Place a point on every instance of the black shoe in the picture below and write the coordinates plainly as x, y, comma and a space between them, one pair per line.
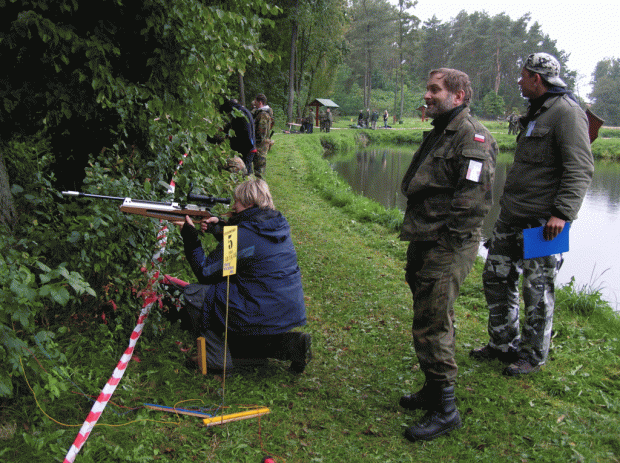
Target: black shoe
420, 400
487, 353
441, 419
434, 424
520, 367
302, 353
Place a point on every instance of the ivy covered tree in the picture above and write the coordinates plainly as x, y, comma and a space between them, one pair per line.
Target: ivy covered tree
89, 75
138, 78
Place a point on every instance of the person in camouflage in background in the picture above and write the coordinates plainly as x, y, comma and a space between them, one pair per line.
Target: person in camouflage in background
545, 186
513, 124
449, 189
263, 120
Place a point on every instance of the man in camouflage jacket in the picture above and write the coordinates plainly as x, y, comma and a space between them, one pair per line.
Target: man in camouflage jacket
263, 120
545, 186
449, 191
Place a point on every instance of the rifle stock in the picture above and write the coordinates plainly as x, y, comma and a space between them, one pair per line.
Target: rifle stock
170, 211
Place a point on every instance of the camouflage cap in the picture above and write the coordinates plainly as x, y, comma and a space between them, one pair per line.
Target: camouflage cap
547, 66
235, 164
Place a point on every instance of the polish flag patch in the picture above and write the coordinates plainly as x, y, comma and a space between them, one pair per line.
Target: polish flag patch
479, 138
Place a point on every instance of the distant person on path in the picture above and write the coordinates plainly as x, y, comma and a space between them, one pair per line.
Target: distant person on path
373, 120
448, 186
513, 124
385, 119
263, 120
329, 119
552, 169
307, 124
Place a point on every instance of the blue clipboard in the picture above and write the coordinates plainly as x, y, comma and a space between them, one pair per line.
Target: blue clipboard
534, 245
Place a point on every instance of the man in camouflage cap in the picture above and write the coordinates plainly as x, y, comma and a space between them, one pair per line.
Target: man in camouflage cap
448, 186
546, 66
552, 169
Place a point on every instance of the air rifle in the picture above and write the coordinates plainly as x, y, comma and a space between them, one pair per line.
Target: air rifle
170, 211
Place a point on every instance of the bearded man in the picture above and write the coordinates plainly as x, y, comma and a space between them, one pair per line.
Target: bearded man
448, 186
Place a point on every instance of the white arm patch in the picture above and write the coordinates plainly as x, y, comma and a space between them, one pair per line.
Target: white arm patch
474, 170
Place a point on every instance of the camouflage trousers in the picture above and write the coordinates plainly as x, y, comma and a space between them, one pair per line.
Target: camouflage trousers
260, 158
434, 272
502, 270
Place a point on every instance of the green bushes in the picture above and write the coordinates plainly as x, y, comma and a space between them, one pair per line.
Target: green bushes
48, 270
32, 295
72, 263
394, 137
607, 148
75, 263
587, 302
106, 69
609, 132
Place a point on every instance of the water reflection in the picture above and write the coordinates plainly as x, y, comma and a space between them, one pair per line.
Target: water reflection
594, 244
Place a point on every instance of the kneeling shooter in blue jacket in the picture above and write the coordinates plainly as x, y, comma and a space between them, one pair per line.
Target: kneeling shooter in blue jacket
265, 296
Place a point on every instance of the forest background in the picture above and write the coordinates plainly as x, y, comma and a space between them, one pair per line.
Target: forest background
106, 98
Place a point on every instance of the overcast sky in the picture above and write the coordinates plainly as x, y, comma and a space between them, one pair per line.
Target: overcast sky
588, 30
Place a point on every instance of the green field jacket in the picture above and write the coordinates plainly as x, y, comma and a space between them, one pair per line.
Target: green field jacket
553, 165
452, 190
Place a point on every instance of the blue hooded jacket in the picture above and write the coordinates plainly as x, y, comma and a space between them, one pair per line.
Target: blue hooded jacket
265, 294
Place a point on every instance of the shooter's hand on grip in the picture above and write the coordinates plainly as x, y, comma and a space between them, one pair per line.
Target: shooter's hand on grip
208, 222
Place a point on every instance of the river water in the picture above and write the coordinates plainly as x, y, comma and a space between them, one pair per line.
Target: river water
594, 255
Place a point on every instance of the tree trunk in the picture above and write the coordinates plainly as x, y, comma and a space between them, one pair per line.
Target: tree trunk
396, 89
300, 70
241, 90
365, 98
291, 67
498, 72
8, 214
402, 97
369, 80
400, 62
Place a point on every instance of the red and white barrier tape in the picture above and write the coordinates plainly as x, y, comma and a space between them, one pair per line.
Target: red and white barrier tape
150, 298
110, 387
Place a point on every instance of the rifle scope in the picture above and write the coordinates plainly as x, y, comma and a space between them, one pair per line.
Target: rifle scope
206, 200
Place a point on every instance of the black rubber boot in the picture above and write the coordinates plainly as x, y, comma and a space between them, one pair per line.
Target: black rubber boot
439, 420
421, 400
301, 353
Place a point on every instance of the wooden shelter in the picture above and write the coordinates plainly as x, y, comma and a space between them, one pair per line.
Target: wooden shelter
319, 102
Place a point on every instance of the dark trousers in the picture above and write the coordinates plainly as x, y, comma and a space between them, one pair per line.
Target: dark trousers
248, 160
240, 346
244, 347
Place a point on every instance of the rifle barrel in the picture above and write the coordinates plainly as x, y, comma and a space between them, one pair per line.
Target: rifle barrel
87, 195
